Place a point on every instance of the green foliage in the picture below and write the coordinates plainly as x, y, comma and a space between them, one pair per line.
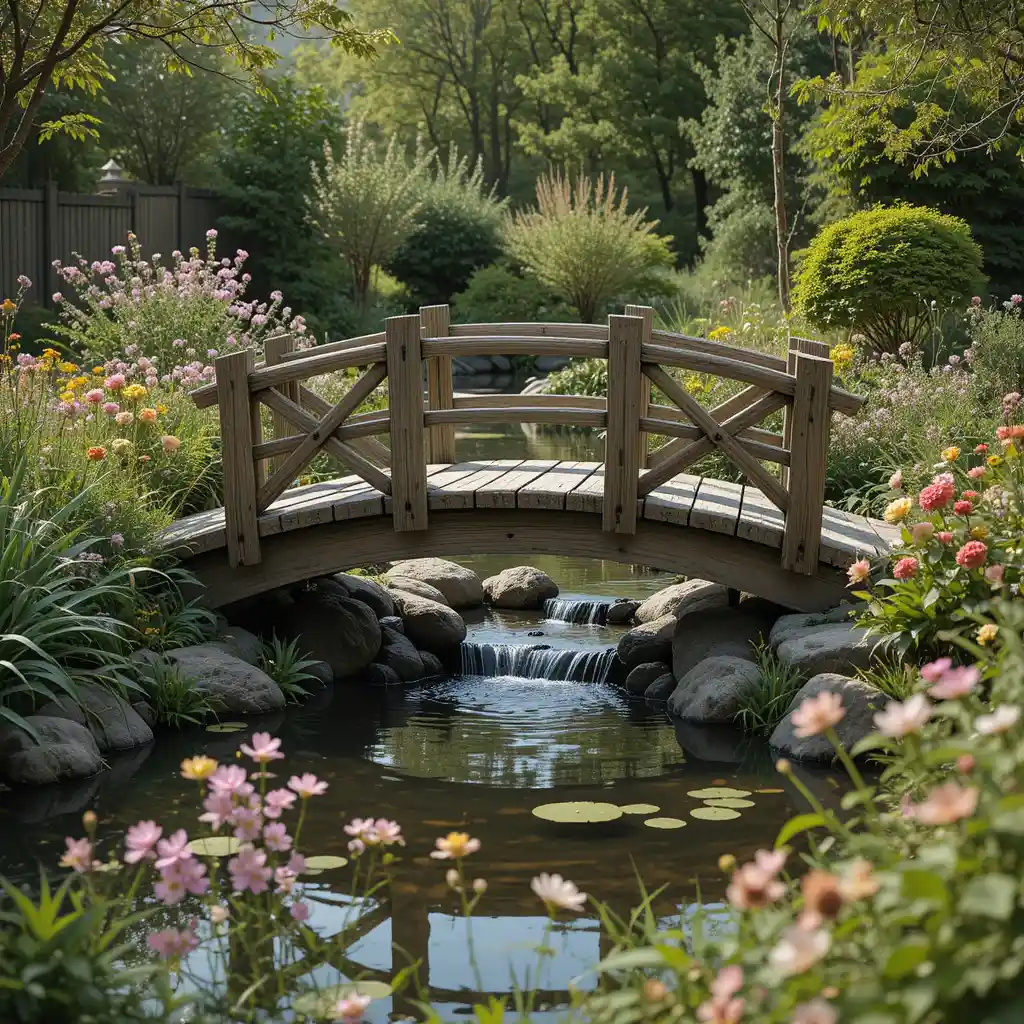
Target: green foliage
893, 677
163, 617
761, 709
996, 352
581, 377
173, 696
284, 664
878, 271
582, 240
498, 294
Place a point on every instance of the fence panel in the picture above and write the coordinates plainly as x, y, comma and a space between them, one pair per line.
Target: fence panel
22, 240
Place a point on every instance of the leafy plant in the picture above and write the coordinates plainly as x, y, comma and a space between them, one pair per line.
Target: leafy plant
173, 696
763, 708
283, 663
164, 618
893, 677
996, 352
499, 294
580, 377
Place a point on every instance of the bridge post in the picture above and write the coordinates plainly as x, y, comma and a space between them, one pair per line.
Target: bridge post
408, 451
796, 346
235, 405
436, 323
808, 458
646, 313
274, 349
621, 451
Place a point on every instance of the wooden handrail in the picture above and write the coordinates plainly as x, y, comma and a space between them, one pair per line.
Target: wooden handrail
744, 355
515, 345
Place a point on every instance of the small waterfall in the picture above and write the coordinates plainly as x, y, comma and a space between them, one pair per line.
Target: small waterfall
579, 613
532, 662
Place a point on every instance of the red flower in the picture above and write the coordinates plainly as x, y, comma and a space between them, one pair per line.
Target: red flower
969, 495
944, 536
1003, 433
905, 568
936, 495
972, 554
963, 508
981, 449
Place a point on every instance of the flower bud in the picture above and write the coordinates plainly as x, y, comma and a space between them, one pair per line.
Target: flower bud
727, 863
89, 821
783, 767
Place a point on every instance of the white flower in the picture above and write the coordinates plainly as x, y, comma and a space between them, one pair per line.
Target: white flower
1004, 717
558, 893
799, 949
817, 1011
901, 719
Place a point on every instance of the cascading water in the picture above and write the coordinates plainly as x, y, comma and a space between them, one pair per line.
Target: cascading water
579, 613
532, 662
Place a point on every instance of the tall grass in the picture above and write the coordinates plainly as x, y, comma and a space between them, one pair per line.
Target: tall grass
763, 708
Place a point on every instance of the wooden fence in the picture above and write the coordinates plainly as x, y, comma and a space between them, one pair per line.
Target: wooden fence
38, 226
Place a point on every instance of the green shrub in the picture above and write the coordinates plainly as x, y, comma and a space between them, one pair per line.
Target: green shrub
763, 708
284, 664
173, 696
996, 351
498, 294
879, 270
581, 377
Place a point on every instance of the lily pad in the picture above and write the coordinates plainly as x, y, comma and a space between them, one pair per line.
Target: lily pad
581, 811
227, 727
320, 1003
718, 791
639, 808
665, 823
714, 813
733, 802
215, 846
324, 862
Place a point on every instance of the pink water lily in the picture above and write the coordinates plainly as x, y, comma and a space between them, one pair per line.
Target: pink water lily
901, 719
307, 785
172, 849
228, 778
173, 943
78, 855
816, 714
278, 801
140, 840
265, 748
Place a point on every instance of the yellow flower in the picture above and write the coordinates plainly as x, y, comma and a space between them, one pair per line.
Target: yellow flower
51, 353
134, 392
161, 408
455, 846
7, 306
67, 367
987, 633
198, 768
951, 454
842, 356
147, 415
120, 445
98, 370
979, 532
67, 396
897, 510
994, 460
720, 333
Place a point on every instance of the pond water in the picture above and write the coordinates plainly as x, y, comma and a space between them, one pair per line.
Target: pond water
476, 753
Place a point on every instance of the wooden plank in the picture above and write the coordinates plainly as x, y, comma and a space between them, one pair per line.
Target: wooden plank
796, 346
537, 401
808, 458
338, 346
621, 452
551, 489
760, 520
405, 384
438, 473
717, 506
673, 500
747, 355
566, 412
845, 537
359, 502
275, 350
646, 313
501, 492
461, 493
540, 330
510, 345
361, 426
589, 495
435, 322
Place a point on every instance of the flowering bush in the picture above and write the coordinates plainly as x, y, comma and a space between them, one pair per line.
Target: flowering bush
996, 352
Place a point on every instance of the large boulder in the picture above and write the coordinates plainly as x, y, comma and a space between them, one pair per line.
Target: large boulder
398, 653
429, 625
461, 586
393, 622
337, 629
681, 599
861, 702
370, 592
649, 642
641, 677
801, 623
822, 648
621, 611
662, 688
241, 643
713, 690
231, 684
720, 632
432, 665
520, 587
381, 675
65, 750
722, 744
114, 723
407, 585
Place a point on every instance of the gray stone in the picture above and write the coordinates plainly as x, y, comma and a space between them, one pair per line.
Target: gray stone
407, 585
337, 629
241, 643
681, 599
621, 611
113, 722
429, 625
369, 592
432, 665
321, 672
641, 677
801, 623
398, 653
718, 744
461, 587
713, 690
380, 675
827, 649
720, 632
145, 710
548, 364
262, 615
502, 364
392, 622
861, 702
662, 688
651, 641
66, 750
520, 587
234, 685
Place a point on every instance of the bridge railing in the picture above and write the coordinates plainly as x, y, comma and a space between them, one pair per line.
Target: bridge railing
421, 421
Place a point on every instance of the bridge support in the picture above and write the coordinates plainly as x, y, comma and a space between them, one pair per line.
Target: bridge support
436, 323
621, 451
405, 387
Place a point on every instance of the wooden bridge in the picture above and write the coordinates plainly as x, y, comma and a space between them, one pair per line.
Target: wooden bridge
769, 535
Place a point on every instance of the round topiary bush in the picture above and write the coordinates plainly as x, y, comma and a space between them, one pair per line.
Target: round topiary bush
879, 270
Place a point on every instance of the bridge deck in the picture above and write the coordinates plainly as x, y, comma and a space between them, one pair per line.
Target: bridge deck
701, 502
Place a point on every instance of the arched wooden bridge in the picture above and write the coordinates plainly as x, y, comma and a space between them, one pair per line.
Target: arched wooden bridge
769, 535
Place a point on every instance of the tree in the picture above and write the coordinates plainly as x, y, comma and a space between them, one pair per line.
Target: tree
46, 45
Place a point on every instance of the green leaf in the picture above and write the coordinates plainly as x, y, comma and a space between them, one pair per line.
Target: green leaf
993, 896
925, 885
801, 823
1009, 816
873, 741
630, 959
906, 957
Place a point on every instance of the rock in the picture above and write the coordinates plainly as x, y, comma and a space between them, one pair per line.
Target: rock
713, 689
683, 598
398, 653
416, 587
368, 591
113, 722
461, 586
662, 688
722, 744
144, 710
824, 648
502, 364
337, 629
241, 643
432, 665
234, 685
548, 364
861, 701
789, 626
321, 672
381, 675
429, 625
720, 632
651, 641
262, 615
476, 364
66, 750
621, 611
392, 622
520, 587
536, 632
642, 676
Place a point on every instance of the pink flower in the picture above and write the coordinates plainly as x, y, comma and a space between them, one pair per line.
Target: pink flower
247, 822
972, 555
351, 1008
896, 481
179, 878
124, 419
219, 914
817, 1011
936, 495
297, 863
976, 472
95, 396
944, 536
921, 533
799, 950
228, 778
899, 720
111, 408
117, 540
755, 884
1002, 719
905, 568
170, 443
264, 748
276, 838
963, 508
299, 911
954, 682
114, 382
935, 670
816, 714
78, 855
140, 840
276, 801
859, 572
307, 785
172, 849
220, 809
172, 943
249, 871
388, 833
944, 804
723, 1007
965, 764
285, 879
994, 574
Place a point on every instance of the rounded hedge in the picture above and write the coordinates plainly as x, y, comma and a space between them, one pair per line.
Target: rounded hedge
878, 271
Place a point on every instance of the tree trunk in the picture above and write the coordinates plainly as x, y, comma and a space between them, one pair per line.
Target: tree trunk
779, 166
701, 200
